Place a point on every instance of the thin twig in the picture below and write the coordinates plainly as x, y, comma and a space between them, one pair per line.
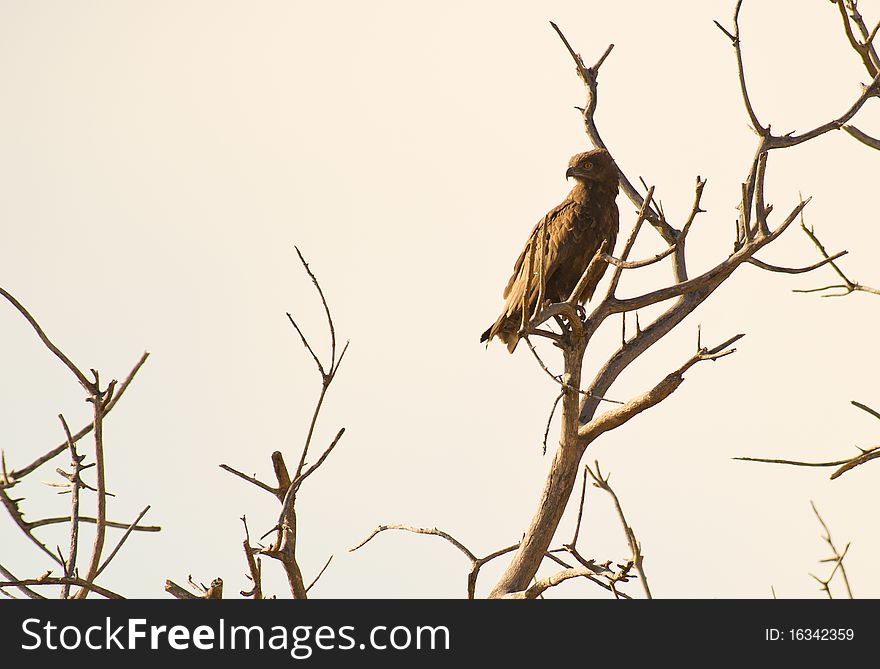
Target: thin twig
737, 45
79, 582
320, 573
84, 382
837, 559
634, 546
866, 408
254, 566
321, 459
10, 577
636, 264
26, 527
577, 526
540, 586
307, 345
42, 522
250, 479
476, 563
433, 531
122, 539
98, 399
76, 465
326, 309
848, 286
550, 419
796, 270
864, 138
843, 466
679, 265
630, 242
865, 49
18, 474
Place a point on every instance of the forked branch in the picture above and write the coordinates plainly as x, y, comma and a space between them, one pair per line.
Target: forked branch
286, 487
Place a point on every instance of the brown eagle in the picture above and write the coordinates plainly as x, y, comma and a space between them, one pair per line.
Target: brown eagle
575, 229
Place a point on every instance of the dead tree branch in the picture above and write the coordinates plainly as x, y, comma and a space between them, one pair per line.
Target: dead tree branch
841, 466
796, 270
849, 13
320, 574
836, 558
635, 547
540, 586
476, 563
589, 76
864, 138
283, 548
18, 474
214, 591
42, 522
89, 387
66, 581
848, 286
17, 516
128, 531
11, 578
254, 566
98, 399
102, 401
75, 482
603, 575
759, 129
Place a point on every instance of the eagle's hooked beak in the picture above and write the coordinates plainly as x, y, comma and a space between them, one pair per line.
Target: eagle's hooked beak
570, 172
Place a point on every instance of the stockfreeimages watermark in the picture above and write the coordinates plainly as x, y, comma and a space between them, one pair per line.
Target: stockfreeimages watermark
300, 641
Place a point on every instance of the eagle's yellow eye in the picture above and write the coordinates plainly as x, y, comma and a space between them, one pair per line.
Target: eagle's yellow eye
588, 166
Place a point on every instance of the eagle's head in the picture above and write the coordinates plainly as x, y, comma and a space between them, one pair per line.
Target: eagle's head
595, 165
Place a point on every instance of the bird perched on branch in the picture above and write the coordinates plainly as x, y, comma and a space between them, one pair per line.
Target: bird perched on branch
564, 243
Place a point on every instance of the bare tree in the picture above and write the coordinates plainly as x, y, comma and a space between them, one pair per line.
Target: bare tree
283, 548
102, 399
582, 422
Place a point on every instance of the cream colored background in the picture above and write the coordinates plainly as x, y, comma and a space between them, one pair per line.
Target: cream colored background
159, 160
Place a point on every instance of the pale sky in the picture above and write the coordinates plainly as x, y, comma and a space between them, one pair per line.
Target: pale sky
160, 160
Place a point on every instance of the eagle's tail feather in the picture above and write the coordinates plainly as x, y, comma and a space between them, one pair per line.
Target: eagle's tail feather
506, 330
